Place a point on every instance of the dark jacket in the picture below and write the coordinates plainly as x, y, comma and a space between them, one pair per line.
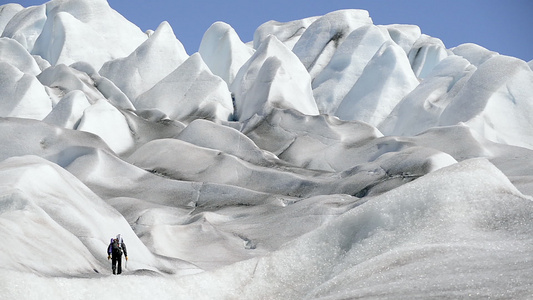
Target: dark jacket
116, 248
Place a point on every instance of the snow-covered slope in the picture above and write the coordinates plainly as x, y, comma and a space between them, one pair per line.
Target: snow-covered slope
330, 158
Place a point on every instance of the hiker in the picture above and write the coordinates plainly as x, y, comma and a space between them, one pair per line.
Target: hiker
114, 252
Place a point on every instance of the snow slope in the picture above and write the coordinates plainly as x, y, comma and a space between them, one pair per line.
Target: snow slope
329, 158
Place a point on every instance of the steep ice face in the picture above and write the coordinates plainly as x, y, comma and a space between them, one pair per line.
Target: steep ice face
7, 11
288, 32
104, 120
26, 26
189, 92
80, 32
104, 86
386, 79
403, 35
23, 96
223, 51
152, 61
425, 54
318, 43
421, 109
68, 112
13, 53
346, 66
272, 77
66, 79
494, 103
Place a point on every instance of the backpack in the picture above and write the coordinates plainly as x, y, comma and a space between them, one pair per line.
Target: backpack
116, 246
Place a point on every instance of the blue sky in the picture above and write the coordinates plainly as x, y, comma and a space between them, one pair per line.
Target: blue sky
503, 26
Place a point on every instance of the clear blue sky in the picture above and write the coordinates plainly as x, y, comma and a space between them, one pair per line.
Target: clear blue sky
503, 26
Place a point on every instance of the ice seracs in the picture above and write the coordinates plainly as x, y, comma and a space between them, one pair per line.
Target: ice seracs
287, 32
272, 77
403, 34
26, 25
7, 11
189, 92
495, 103
425, 54
71, 31
386, 79
320, 40
330, 158
421, 109
223, 51
152, 61
13, 53
23, 95
68, 111
104, 120
346, 66
64, 79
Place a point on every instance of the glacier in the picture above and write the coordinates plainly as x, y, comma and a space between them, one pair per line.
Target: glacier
328, 158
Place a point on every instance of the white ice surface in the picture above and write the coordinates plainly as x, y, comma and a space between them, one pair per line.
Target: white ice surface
423, 191
7, 11
425, 54
346, 66
152, 61
287, 32
191, 91
22, 95
104, 120
223, 51
318, 43
12, 52
272, 78
386, 79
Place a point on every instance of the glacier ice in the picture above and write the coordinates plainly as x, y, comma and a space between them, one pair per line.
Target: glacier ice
494, 103
22, 94
272, 77
287, 32
115, 130
386, 79
346, 66
7, 11
190, 91
329, 158
148, 64
223, 51
13, 53
64, 79
69, 110
421, 109
318, 43
475, 54
425, 54
404, 35
71, 31
26, 26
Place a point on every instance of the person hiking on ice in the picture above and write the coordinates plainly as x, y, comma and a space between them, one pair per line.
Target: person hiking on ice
114, 252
